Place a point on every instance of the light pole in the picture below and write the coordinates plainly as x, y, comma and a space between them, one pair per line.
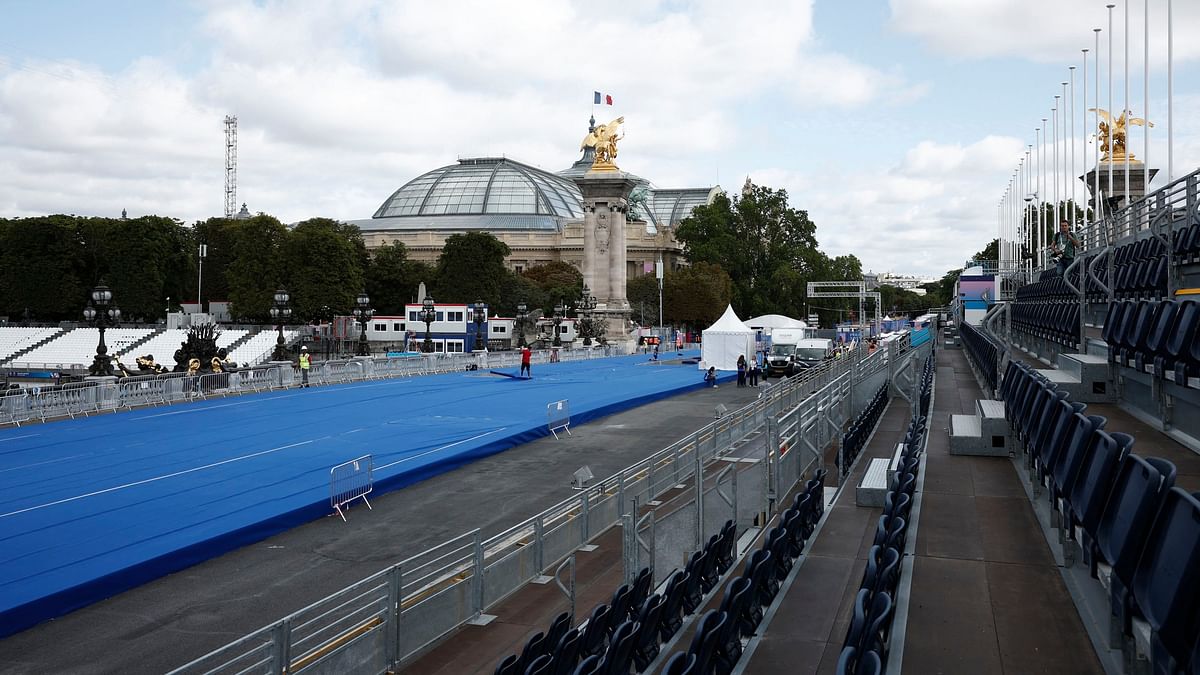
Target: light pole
480, 312
522, 315
558, 317
427, 315
281, 312
587, 302
363, 313
102, 316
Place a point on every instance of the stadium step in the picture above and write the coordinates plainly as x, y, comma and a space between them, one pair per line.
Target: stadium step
1086, 378
241, 341
129, 349
984, 433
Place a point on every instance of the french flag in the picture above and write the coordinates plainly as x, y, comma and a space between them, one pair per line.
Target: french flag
601, 99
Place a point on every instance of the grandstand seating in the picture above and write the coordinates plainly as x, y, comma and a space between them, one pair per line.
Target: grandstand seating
258, 348
983, 350
78, 346
717, 643
866, 646
1159, 337
14, 338
1136, 532
860, 429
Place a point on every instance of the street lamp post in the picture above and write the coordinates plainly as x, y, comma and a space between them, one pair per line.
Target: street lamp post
558, 317
587, 303
480, 316
99, 313
427, 315
280, 313
363, 313
522, 315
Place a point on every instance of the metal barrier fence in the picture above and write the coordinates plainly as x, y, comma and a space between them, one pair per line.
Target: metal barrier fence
349, 481
84, 398
389, 618
558, 417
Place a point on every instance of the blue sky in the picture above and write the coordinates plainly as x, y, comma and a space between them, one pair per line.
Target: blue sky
896, 124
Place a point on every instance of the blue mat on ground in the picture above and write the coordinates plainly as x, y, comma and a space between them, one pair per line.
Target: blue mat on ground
514, 376
92, 507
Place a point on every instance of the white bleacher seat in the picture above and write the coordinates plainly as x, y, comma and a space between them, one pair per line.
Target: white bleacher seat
15, 338
75, 348
258, 348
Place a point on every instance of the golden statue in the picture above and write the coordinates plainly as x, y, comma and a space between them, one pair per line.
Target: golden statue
604, 139
1111, 133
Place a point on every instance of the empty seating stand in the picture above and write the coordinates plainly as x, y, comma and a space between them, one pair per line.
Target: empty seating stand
1119, 514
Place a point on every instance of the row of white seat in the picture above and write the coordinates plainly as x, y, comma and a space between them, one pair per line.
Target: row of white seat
15, 338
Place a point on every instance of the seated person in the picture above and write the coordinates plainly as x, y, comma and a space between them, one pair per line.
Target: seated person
711, 377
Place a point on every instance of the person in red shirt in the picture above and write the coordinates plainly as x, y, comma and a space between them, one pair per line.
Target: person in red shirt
526, 355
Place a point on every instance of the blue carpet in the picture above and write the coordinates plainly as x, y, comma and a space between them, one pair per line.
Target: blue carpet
92, 507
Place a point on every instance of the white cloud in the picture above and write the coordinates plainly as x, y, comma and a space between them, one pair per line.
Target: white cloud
341, 102
1043, 31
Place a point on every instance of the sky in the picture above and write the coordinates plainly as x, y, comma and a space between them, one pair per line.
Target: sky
896, 124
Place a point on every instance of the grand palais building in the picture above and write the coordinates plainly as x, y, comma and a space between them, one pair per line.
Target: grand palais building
537, 213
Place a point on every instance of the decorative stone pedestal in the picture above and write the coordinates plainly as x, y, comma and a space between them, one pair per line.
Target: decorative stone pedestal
1116, 198
606, 208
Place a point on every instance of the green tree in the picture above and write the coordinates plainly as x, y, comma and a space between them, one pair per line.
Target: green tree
254, 273
218, 235
323, 266
696, 296
471, 268
389, 279
146, 261
558, 281
516, 289
44, 267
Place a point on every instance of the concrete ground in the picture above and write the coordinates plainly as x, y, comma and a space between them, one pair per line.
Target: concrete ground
173, 620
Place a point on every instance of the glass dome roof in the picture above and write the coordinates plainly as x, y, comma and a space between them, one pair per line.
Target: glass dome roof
486, 185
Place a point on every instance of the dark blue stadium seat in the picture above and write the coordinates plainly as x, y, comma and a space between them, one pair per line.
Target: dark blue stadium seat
542, 665
1166, 586
1114, 319
620, 607
681, 663
1179, 339
896, 504
726, 552
758, 567
891, 531
566, 654
693, 593
645, 646
1139, 489
879, 625
1165, 319
670, 621
709, 631
510, 665
1070, 458
739, 595
595, 635
589, 666
848, 661
619, 656
729, 643
793, 522
1135, 331
779, 546
558, 627
641, 590
859, 618
535, 647
870, 663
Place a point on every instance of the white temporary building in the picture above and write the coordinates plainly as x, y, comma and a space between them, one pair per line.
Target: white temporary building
769, 322
723, 342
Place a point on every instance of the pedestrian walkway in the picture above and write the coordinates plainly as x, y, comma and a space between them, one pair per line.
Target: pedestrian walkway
986, 595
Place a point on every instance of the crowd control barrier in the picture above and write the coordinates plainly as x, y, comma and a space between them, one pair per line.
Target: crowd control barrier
349, 481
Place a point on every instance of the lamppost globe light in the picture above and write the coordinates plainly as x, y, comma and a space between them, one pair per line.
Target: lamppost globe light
99, 313
89, 312
427, 315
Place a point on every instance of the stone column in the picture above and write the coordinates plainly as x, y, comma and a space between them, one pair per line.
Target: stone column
605, 205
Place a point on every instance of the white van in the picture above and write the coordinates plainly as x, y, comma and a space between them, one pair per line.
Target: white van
783, 351
813, 352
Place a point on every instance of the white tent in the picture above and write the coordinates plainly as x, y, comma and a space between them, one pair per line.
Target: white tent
723, 342
769, 322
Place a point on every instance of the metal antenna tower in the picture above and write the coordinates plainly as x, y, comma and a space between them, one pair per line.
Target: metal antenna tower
230, 165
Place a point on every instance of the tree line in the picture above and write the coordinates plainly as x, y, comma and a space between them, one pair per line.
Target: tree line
752, 250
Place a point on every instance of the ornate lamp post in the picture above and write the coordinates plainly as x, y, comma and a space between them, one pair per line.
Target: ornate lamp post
427, 315
522, 316
363, 313
480, 317
587, 302
280, 313
99, 313
558, 317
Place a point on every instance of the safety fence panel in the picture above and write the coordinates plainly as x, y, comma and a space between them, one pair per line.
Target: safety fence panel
558, 417
349, 481
674, 538
14, 408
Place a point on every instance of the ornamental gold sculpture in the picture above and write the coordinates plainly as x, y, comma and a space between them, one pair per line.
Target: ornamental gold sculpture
1111, 133
604, 139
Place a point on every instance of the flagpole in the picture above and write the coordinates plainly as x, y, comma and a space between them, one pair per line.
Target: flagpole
1041, 234
1111, 129
1146, 98
1126, 110
1170, 94
1083, 128
1054, 176
1096, 215
1071, 177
